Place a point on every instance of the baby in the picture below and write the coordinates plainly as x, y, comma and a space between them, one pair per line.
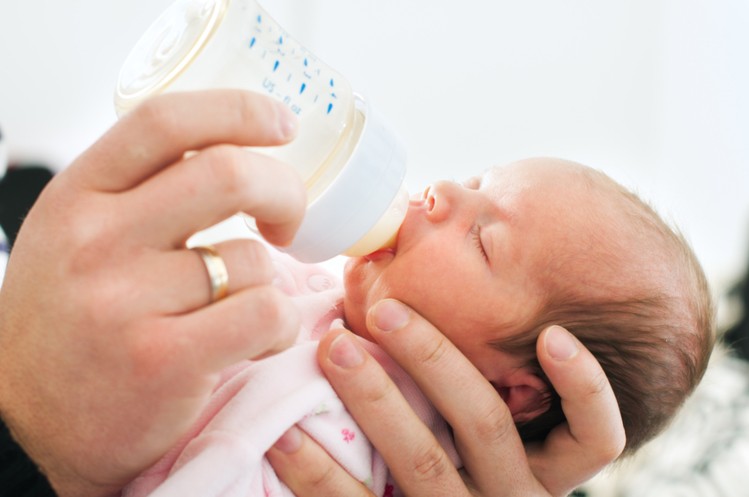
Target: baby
491, 262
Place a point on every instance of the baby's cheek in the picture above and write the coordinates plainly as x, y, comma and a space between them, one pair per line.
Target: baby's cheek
354, 279
355, 306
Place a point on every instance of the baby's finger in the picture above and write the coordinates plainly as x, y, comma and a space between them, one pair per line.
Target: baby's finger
309, 471
409, 448
158, 132
593, 435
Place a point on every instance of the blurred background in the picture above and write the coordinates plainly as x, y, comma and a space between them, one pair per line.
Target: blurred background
653, 92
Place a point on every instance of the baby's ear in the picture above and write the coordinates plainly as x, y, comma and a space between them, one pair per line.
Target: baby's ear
526, 395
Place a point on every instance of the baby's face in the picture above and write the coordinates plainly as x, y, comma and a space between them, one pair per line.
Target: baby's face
474, 258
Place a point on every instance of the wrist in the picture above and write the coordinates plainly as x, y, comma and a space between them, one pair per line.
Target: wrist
28, 470
19, 474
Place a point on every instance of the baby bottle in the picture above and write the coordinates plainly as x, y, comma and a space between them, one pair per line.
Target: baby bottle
352, 166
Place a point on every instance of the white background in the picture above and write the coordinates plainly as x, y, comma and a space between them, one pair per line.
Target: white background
654, 92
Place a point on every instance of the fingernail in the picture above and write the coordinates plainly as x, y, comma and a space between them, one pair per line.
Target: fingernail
390, 315
290, 442
287, 122
560, 343
344, 352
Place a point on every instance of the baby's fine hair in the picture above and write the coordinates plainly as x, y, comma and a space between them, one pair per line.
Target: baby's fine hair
653, 342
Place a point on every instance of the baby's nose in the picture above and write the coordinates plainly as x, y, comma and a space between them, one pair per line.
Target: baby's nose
440, 199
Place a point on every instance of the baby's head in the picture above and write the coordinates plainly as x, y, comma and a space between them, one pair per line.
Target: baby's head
494, 261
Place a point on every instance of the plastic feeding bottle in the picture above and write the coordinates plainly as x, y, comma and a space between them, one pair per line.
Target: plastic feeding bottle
352, 165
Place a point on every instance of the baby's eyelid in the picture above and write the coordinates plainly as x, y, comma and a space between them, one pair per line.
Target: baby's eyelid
479, 241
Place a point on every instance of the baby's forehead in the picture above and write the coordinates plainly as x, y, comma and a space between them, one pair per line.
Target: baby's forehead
518, 183
554, 179
541, 169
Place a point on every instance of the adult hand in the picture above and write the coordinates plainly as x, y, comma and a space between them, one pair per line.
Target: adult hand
109, 344
495, 460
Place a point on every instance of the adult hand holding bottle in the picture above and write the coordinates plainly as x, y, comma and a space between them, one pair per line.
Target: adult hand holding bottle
110, 337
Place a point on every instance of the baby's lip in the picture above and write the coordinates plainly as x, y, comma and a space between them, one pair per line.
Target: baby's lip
378, 255
388, 250
415, 201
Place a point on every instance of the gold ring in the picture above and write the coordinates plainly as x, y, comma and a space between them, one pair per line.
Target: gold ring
217, 273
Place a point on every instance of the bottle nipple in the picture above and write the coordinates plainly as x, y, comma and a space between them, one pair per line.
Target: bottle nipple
384, 233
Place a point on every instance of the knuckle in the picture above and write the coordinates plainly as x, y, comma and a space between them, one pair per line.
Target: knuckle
91, 234
320, 477
249, 107
227, 169
148, 353
278, 313
598, 385
380, 389
613, 448
156, 114
436, 352
495, 425
614, 443
430, 462
257, 260
90, 253
98, 294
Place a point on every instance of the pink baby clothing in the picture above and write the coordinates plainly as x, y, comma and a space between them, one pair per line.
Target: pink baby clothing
257, 401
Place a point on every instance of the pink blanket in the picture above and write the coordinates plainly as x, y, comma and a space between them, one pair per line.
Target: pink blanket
257, 401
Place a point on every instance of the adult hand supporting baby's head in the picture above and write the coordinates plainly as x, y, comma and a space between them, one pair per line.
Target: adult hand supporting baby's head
593, 435
110, 343
494, 458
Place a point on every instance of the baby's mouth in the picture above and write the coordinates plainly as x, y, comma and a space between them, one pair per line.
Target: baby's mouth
416, 201
381, 254
389, 250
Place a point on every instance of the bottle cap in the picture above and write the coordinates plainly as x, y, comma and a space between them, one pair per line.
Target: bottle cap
166, 49
357, 198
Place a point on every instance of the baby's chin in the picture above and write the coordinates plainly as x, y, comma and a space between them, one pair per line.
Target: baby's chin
360, 284
355, 319
355, 298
